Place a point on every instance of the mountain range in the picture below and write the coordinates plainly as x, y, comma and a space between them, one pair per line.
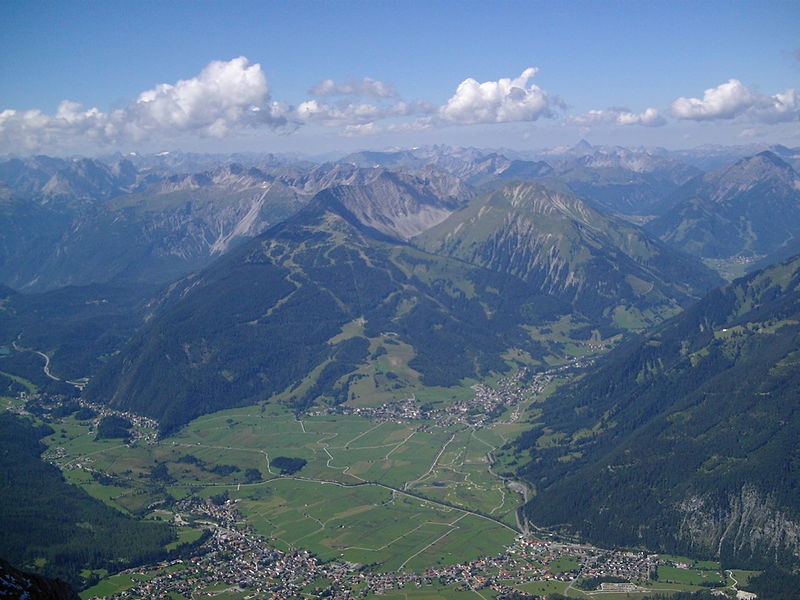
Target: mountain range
138, 218
751, 207
181, 286
267, 315
602, 265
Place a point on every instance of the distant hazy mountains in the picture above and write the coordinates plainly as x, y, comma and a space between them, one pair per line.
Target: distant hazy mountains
400, 204
156, 218
685, 440
77, 222
91, 223
751, 207
622, 180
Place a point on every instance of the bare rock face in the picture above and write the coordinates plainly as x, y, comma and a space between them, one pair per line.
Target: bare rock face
402, 205
747, 525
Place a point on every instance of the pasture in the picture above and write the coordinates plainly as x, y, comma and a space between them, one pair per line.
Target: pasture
397, 494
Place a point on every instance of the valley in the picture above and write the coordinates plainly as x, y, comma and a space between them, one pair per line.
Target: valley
399, 300
375, 500
439, 373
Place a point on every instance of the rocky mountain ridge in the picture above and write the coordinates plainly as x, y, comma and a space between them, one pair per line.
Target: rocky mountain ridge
565, 247
749, 208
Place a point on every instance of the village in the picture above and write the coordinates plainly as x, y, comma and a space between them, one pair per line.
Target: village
487, 404
232, 557
236, 559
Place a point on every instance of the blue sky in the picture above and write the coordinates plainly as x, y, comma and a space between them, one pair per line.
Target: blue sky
612, 72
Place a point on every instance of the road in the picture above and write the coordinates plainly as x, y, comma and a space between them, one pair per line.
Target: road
46, 367
46, 358
433, 464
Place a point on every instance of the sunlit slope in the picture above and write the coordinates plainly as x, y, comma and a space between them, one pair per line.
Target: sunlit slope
560, 245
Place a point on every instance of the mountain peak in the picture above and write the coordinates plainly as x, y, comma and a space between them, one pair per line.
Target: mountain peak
746, 208
770, 157
562, 246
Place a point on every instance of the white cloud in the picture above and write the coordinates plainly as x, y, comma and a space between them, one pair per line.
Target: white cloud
346, 114
502, 101
650, 117
349, 114
367, 87
225, 96
372, 128
362, 130
732, 100
32, 129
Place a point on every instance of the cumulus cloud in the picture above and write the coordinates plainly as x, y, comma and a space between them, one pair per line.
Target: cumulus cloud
366, 87
223, 97
352, 114
33, 129
650, 117
733, 100
502, 101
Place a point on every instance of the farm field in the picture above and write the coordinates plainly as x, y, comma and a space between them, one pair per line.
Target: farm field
392, 494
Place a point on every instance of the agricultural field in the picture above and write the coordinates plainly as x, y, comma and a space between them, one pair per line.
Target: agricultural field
393, 494
691, 576
368, 524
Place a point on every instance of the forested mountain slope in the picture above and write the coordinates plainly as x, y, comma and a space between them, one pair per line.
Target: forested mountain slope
684, 440
265, 316
56, 528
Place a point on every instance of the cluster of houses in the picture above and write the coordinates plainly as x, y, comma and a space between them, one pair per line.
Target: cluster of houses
487, 403
236, 559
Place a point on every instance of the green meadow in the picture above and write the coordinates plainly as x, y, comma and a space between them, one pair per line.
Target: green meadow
391, 494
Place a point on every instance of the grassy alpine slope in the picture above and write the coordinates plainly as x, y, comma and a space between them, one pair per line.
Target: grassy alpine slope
604, 267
